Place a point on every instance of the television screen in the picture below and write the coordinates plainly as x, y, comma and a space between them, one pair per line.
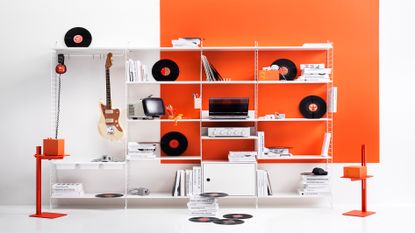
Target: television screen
153, 107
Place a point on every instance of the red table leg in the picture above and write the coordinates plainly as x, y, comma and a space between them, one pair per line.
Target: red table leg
39, 213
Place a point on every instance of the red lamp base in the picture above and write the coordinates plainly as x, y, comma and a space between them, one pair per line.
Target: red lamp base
48, 215
359, 213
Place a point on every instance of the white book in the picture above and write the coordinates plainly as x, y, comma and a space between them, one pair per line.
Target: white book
312, 66
269, 188
260, 144
326, 145
197, 180
312, 71
131, 70
182, 192
332, 99
188, 180
176, 184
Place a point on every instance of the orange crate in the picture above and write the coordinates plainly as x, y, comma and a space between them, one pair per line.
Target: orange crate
269, 75
359, 172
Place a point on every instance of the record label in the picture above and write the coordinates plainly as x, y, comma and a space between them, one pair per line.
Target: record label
228, 221
78, 37
287, 69
237, 216
165, 70
313, 107
173, 143
203, 219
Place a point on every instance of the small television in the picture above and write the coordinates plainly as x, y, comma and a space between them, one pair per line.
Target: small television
228, 108
147, 108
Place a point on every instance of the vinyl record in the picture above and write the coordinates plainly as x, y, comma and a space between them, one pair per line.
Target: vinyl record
78, 37
237, 216
228, 221
287, 69
313, 107
173, 143
203, 219
165, 70
109, 195
213, 194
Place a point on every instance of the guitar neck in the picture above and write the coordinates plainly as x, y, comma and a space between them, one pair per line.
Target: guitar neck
108, 88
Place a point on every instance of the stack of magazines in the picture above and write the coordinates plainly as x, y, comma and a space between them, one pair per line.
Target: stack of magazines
211, 73
202, 206
314, 184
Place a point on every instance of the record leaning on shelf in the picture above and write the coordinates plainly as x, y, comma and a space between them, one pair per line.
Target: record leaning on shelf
109, 195
173, 143
213, 194
313, 107
165, 70
287, 69
78, 37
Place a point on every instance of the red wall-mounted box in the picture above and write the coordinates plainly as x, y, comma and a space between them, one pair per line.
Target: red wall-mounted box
53, 146
355, 172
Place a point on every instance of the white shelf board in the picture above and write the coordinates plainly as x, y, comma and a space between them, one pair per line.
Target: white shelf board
294, 119
164, 120
293, 195
229, 138
164, 49
297, 157
163, 82
156, 196
90, 50
85, 196
165, 158
229, 82
85, 165
228, 120
293, 82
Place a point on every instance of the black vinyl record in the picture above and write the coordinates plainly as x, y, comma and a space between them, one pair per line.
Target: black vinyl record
287, 69
213, 194
313, 107
237, 216
173, 143
109, 195
78, 37
165, 70
203, 219
228, 221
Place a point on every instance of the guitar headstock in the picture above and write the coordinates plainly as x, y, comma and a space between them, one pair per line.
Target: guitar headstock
108, 63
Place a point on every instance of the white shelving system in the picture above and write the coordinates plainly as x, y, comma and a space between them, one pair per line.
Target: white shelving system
149, 56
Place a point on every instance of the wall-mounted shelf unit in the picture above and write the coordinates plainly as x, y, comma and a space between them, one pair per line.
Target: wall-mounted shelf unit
240, 65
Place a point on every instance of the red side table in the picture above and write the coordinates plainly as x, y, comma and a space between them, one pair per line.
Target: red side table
363, 212
39, 157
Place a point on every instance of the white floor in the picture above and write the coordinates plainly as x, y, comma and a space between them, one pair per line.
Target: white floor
387, 219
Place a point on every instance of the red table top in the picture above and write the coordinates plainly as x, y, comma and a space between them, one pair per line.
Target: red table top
49, 157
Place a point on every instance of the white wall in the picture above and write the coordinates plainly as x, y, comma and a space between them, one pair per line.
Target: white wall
29, 30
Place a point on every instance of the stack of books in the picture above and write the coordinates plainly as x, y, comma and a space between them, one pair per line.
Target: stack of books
202, 206
67, 190
314, 184
187, 182
314, 72
242, 156
141, 150
136, 71
263, 183
186, 42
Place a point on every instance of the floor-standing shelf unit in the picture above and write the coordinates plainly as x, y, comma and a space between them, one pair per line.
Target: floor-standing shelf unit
241, 66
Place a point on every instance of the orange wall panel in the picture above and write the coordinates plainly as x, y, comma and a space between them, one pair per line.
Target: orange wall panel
353, 27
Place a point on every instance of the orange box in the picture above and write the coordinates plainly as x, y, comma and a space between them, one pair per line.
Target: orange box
53, 146
355, 171
268, 75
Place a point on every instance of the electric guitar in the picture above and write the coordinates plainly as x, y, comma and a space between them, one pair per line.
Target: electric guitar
109, 125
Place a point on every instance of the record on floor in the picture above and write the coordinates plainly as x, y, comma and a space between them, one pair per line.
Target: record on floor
213, 194
165, 70
287, 69
228, 221
109, 195
173, 143
237, 216
203, 219
313, 107
78, 37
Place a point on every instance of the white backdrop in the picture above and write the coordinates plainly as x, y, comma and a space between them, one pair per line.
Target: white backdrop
29, 30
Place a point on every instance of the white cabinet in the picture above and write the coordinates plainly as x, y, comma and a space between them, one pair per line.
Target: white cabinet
235, 179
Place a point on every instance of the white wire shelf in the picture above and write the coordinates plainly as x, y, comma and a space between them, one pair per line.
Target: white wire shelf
229, 138
297, 157
86, 196
181, 157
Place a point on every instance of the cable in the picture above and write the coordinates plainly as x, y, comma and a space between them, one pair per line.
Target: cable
58, 107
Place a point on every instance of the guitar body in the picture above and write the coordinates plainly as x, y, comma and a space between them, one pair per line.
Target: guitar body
109, 125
